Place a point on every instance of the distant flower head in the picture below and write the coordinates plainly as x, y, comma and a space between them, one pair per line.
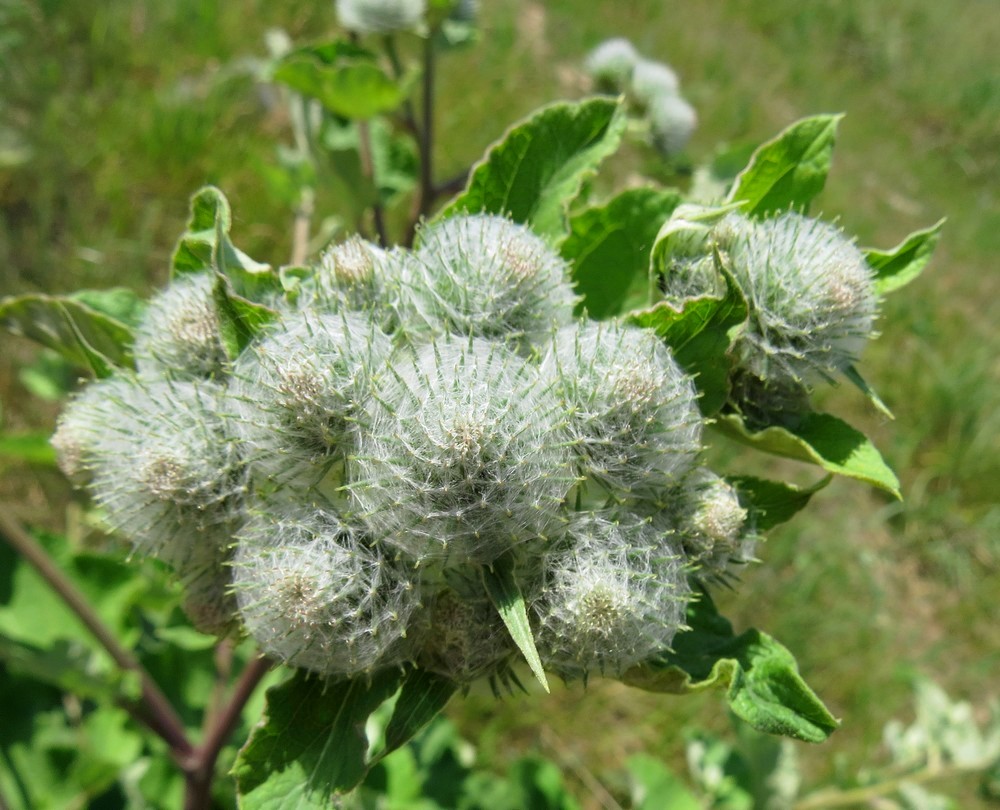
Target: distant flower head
672, 122
380, 16
652, 81
611, 63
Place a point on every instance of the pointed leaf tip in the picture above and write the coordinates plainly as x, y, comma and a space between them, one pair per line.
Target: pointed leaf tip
507, 599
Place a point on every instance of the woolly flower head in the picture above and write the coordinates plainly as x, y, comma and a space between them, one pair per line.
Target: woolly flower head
312, 593
486, 276
354, 275
179, 333
462, 637
615, 596
85, 424
167, 472
633, 412
611, 63
380, 16
466, 455
712, 524
672, 120
810, 292
299, 393
651, 81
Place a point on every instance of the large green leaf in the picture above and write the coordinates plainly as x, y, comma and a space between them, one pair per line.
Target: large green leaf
538, 167
83, 335
760, 676
822, 439
502, 588
311, 745
345, 78
772, 502
609, 248
700, 335
421, 698
788, 171
898, 266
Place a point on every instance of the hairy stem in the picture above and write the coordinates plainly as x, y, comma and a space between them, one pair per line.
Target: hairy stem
153, 710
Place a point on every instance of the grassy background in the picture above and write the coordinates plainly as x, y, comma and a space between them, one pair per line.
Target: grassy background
112, 113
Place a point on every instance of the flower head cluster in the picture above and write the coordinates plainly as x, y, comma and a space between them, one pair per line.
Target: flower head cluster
617, 67
341, 490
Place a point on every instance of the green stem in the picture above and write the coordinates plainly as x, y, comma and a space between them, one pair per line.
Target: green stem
368, 169
153, 709
307, 195
427, 136
860, 796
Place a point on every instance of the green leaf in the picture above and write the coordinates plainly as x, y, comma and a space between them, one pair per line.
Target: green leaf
539, 166
655, 786
760, 676
348, 84
818, 439
700, 335
311, 745
119, 303
685, 234
609, 248
240, 320
70, 666
772, 502
898, 266
788, 171
502, 588
85, 337
862, 385
33, 448
205, 246
421, 699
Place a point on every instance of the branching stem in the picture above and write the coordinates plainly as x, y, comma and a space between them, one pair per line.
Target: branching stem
218, 730
153, 709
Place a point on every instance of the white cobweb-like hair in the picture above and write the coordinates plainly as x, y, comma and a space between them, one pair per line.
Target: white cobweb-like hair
633, 412
614, 596
466, 456
313, 593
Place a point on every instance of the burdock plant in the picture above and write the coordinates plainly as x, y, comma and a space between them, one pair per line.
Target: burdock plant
414, 464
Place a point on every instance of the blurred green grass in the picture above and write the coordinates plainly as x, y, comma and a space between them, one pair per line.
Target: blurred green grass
112, 113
